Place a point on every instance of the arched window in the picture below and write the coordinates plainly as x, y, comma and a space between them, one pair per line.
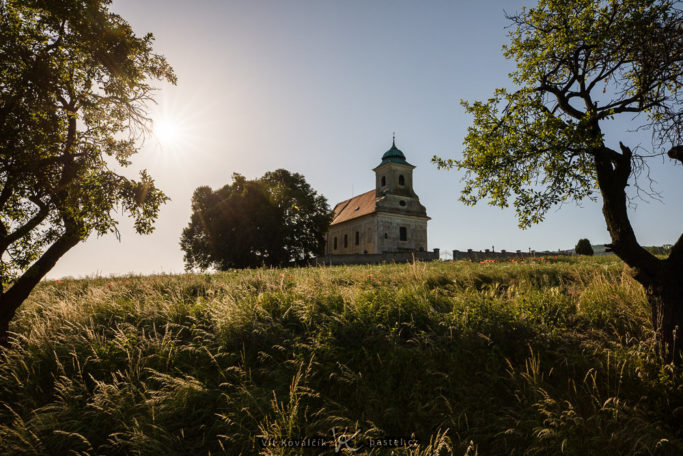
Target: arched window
404, 233
401, 180
384, 181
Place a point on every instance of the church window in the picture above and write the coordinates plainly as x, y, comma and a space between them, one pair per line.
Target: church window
346, 240
384, 181
401, 180
404, 233
402, 203
335, 243
386, 235
357, 237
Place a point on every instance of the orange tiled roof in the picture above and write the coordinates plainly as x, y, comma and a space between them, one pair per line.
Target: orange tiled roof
355, 207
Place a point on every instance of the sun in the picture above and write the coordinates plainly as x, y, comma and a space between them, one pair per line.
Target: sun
168, 131
176, 126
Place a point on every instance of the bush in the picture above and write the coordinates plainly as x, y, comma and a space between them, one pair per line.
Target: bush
583, 247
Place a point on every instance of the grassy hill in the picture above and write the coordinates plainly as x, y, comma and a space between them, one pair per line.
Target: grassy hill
539, 357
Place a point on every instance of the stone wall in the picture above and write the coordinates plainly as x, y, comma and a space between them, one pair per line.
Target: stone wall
377, 258
478, 255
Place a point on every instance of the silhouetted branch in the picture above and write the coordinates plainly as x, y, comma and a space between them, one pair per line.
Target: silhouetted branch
676, 153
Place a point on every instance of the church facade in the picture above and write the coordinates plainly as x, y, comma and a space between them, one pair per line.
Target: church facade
387, 219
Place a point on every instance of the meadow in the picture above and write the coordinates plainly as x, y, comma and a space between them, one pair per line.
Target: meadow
544, 357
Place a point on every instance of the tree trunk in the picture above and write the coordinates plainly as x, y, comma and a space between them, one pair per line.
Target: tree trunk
661, 278
20, 290
4, 330
665, 296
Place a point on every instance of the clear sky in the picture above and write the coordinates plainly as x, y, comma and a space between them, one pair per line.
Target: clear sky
318, 87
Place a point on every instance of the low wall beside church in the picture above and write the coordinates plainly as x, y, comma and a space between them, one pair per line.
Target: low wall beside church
377, 258
503, 254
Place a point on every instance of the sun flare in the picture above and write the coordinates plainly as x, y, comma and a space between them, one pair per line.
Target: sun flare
168, 131
178, 125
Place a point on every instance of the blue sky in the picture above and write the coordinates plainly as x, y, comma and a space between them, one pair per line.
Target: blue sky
318, 87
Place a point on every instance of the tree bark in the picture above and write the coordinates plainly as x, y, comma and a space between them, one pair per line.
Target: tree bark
20, 290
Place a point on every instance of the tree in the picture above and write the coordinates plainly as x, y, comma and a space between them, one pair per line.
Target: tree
584, 247
74, 83
581, 63
273, 221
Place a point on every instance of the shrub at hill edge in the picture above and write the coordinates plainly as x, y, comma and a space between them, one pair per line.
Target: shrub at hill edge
584, 247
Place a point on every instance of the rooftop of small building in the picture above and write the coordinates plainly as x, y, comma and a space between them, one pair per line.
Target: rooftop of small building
358, 206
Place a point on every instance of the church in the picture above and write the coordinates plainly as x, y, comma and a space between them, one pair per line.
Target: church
387, 219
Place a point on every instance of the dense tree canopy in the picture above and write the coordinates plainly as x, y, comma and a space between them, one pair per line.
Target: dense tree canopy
74, 83
275, 220
580, 63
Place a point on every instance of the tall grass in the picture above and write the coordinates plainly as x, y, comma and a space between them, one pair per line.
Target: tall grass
512, 358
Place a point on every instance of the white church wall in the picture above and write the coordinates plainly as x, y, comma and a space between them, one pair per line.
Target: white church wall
389, 232
365, 226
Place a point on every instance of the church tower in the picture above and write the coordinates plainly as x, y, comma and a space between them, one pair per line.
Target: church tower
394, 184
386, 220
